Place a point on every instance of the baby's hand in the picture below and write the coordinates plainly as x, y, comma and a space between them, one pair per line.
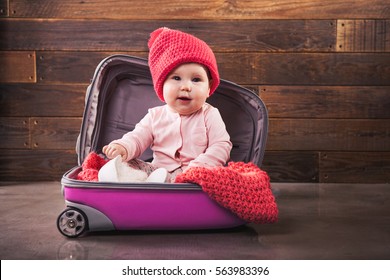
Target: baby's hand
114, 150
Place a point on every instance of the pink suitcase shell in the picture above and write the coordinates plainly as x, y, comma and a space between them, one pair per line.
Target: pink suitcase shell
118, 97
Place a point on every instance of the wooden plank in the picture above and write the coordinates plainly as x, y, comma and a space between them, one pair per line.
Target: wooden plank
79, 67
363, 35
291, 166
4, 11
34, 165
201, 9
14, 133
329, 135
355, 167
222, 36
243, 68
29, 100
54, 133
68, 67
324, 69
17, 66
327, 101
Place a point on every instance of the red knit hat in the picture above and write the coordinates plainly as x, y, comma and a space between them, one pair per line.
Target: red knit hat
170, 48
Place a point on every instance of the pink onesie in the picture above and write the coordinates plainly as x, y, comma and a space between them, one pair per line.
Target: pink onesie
177, 141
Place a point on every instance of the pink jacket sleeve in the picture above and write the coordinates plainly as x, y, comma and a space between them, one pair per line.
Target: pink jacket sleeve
218, 151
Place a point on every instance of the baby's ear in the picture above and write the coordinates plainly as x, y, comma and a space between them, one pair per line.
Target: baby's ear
210, 82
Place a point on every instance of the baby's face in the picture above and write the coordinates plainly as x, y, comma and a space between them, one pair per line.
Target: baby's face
186, 88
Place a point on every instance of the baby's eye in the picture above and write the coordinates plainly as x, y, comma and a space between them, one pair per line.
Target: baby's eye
176, 78
196, 80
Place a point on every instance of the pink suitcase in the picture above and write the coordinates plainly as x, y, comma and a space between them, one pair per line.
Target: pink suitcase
118, 97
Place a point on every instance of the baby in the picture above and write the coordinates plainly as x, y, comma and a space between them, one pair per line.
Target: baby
186, 131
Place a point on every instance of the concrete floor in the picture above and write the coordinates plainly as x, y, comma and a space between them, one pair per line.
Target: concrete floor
316, 221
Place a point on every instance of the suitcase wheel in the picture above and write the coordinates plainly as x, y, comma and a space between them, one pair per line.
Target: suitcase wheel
72, 222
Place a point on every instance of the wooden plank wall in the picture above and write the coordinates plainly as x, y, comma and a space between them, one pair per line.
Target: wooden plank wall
321, 66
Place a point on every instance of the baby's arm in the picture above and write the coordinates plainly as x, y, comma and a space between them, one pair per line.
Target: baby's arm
133, 143
218, 152
113, 150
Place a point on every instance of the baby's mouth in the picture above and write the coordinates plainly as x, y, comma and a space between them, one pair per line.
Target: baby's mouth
184, 98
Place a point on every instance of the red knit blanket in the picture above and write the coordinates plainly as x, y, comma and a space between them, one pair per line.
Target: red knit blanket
241, 187
90, 167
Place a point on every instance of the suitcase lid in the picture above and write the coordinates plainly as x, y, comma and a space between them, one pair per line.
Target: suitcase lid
121, 92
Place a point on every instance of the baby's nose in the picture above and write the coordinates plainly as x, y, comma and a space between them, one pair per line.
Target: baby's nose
186, 86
